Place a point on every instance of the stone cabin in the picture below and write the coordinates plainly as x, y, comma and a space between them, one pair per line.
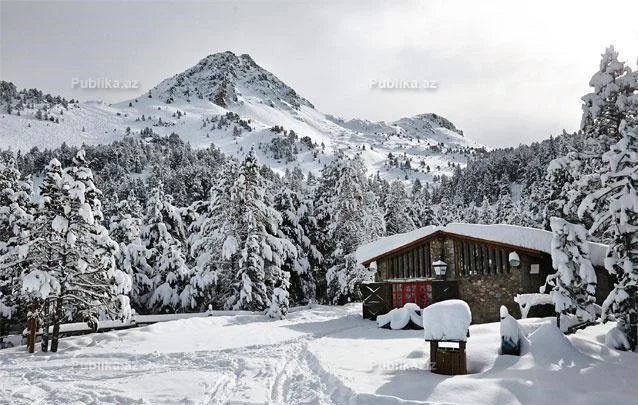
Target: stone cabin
482, 267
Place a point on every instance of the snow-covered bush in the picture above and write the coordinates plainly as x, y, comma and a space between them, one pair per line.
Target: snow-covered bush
408, 317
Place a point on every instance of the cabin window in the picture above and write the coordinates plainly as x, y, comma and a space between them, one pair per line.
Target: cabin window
476, 259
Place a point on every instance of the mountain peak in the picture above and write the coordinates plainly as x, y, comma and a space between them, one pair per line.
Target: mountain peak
426, 122
226, 79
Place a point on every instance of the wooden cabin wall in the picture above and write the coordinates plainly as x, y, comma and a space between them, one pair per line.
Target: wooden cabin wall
412, 263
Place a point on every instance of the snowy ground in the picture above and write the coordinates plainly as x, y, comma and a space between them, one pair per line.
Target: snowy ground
322, 355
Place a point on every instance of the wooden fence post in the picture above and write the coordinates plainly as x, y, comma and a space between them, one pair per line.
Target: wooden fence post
45, 326
434, 347
463, 358
55, 338
633, 324
33, 328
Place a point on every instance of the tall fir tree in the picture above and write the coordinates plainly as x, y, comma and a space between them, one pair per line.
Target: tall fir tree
212, 241
73, 257
297, 225
599, 186
619, 189
485, 215
398, 207
132, 257
349, 215
573, 286
258, 281
613, 102
162, 234
16, 220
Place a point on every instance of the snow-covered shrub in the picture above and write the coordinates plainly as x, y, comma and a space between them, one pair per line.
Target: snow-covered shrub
408, 317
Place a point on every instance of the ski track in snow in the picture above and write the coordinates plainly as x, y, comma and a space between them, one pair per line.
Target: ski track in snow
284, 372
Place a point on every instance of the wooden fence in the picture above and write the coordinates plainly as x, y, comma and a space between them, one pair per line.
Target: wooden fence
380, 298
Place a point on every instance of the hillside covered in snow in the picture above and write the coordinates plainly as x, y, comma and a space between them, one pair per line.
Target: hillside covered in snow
231, 102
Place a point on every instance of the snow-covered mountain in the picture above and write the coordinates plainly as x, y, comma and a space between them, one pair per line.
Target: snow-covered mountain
226, 80
233, 103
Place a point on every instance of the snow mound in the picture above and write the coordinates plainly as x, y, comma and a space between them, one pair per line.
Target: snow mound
549, 346
408, 317
616, 339
447, 320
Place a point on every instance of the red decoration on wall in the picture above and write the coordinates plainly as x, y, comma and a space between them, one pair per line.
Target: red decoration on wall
418, 292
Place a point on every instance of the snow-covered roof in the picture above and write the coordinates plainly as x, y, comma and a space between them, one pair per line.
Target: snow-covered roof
528, 238
386, 244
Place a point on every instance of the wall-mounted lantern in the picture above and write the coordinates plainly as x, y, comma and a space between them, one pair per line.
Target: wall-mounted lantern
514, 260
440, 268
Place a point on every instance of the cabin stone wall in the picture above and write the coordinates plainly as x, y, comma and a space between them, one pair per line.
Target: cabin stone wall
486, 294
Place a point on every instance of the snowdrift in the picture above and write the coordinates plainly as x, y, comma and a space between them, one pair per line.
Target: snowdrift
550, 347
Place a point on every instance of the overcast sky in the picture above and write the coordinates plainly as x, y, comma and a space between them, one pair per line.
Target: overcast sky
507, 72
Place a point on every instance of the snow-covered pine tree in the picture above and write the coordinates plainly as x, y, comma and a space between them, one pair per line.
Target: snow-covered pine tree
15, 227
349, 215
132, 257
536, 205
170, 276
471, 214
297, 224
212, 242
381, 188
422, 213
73, 262
39, 282
519, 215
97, 278
420, 203
485, 215
578, 182
397, 210
259, 282
13, 189
504, 204
613, 101
444, 213
620, 181
573, 286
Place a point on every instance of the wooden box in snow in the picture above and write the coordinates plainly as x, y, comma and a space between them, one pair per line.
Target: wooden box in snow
446, 326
